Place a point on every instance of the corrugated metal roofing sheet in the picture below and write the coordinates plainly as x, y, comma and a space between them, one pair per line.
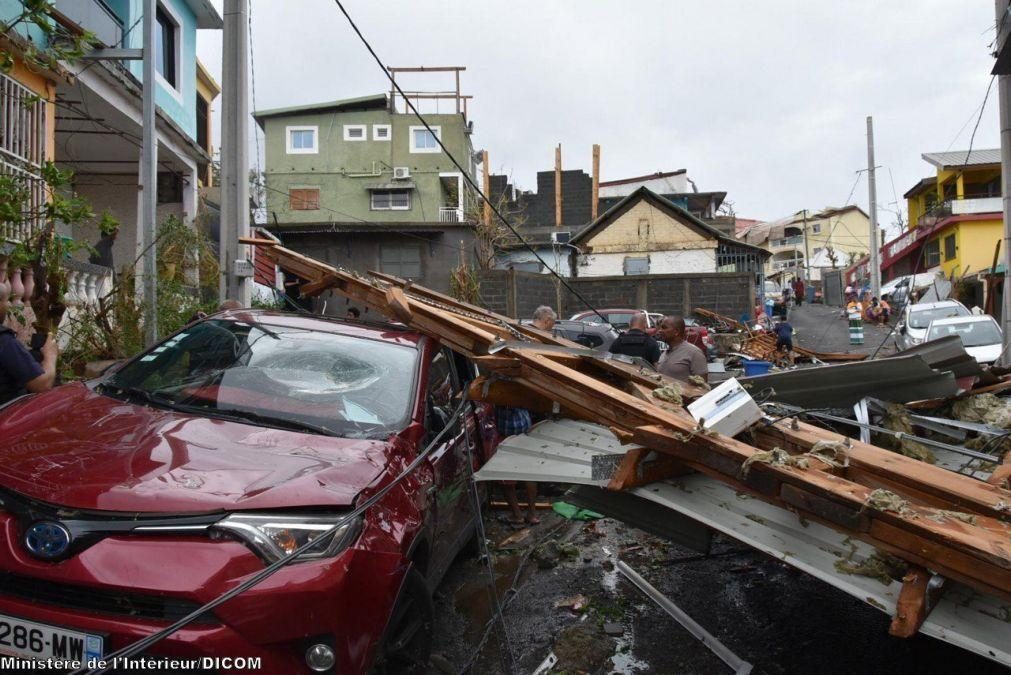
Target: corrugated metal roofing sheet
563, 450
959, 157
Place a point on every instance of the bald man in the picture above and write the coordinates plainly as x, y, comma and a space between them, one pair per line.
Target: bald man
683, 359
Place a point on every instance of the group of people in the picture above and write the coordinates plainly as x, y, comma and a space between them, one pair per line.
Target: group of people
867, 307
682, 360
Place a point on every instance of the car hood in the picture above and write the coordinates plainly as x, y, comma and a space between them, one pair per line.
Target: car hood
78, 449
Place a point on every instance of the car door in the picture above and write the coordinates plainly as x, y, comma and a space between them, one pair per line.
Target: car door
448, 492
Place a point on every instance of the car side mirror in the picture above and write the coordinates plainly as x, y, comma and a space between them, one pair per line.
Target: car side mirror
902, 328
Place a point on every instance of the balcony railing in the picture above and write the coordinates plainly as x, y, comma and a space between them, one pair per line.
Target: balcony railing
22, 154
967, 205
787, 241
450, 214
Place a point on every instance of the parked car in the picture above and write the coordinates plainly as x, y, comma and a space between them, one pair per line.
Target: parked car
587, 333
911, 329
132, 500
695, 333
981, 336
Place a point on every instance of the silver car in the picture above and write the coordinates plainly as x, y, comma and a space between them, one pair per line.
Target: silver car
914, 320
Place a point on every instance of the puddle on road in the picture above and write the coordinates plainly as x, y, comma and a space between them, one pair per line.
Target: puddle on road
472, 599
624, 660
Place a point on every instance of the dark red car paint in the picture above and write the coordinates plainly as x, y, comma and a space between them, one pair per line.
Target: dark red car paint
81, 450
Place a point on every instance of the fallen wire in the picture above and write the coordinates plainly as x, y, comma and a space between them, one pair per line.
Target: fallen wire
149, 641
509, 595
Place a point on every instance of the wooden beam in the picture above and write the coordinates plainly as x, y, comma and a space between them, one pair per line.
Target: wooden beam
916, 600
642, 466
595, 193
558, 185
399, 304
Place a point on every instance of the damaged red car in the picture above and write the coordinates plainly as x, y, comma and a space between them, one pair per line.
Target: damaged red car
131, 501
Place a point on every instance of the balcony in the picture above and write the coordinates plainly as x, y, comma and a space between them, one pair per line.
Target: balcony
450, 214
93, 16
794, 240
961, 207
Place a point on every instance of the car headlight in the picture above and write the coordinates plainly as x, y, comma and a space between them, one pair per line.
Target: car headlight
915, 341
274, 537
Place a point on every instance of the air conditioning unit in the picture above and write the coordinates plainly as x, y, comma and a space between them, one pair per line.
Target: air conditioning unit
401, 172
561, 237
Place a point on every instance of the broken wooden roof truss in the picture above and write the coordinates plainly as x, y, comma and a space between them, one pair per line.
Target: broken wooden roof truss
936, 520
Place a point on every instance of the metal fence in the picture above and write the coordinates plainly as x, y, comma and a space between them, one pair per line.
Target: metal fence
22, 154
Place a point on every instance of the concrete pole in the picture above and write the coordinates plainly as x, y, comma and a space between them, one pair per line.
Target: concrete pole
872, 207
1004, 98
234, 154
558, 185
807, 253
596, 182
149, 181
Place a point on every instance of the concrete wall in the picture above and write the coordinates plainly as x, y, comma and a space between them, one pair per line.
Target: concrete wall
118, 194
360, 251
519, 293
342, 170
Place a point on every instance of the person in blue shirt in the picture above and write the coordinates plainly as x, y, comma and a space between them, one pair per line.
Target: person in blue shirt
20, 373
784, 338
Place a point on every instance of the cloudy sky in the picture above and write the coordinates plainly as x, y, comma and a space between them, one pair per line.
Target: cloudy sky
766, 101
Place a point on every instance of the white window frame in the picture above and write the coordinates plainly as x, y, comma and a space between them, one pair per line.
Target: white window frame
373, 207
377, 127
816, 228
314, 150
176, 91
415, 150
364, 128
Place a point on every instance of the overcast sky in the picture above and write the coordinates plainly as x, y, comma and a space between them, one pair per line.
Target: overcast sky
766, 101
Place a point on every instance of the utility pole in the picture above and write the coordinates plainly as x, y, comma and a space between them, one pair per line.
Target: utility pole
807, 253
236, 269
872, 205
1004, 97
558, 185
149, 180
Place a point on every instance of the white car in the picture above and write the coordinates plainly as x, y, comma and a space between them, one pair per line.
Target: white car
912, 327
981, 336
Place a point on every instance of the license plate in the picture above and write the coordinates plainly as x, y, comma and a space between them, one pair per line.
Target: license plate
31, 640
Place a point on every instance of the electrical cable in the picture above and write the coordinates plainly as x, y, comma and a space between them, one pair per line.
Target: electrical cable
483, 544
147, 642
473, 185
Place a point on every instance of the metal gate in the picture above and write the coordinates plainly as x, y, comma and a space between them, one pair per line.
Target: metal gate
832, 287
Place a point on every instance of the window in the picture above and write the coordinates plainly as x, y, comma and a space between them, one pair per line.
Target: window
355, 132
203, 112
391, 200
166, 47
932, 254
423, 140
381, 132
170, 188
637, 265
302, 140
949, 247
816, 228
401, 260
304, 199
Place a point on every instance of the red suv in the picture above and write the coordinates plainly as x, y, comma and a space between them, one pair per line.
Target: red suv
130, 501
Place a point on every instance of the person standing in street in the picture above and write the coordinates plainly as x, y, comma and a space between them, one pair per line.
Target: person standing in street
798, 290
784, 339
634, 341
683, 360
513, 421
20, 373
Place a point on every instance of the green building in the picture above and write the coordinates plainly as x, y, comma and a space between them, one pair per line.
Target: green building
358, 184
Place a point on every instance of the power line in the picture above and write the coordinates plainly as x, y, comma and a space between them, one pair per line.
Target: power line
972, 138
466, 175
252, 81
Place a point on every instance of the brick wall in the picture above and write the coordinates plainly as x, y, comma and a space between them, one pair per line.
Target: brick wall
519, 293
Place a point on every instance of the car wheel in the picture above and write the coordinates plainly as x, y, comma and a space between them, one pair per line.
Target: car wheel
407, 644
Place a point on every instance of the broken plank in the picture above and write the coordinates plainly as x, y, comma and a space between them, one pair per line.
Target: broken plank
399, 304
641, 466
918, 596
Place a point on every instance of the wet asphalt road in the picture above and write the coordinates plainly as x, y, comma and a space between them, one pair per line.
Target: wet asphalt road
779, 619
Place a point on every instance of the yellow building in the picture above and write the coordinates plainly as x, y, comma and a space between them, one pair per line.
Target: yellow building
207, 90
955, 220
808, 241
